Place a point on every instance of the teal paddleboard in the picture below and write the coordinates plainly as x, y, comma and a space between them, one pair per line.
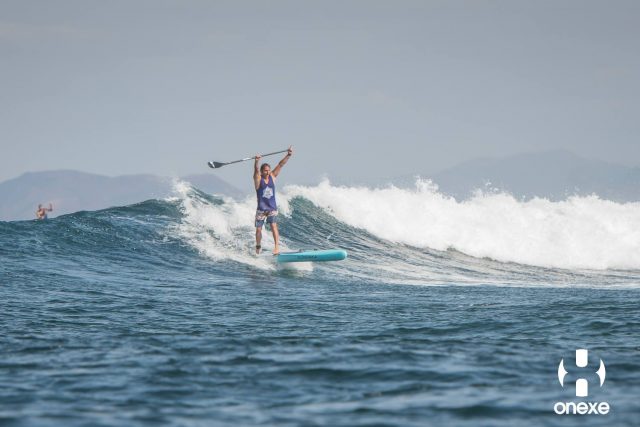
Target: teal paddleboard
313, 256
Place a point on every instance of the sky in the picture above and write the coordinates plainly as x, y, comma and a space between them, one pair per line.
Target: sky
359, 88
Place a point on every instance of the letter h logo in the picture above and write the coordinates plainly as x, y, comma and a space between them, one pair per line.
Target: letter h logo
582, 360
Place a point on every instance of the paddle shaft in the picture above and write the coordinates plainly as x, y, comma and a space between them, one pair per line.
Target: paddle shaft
215, 165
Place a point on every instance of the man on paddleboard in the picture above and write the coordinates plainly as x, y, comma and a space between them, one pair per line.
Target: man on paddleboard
41, 213
264, 180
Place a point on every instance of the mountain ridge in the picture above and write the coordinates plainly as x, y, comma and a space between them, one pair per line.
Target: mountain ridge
71, 191
550, 174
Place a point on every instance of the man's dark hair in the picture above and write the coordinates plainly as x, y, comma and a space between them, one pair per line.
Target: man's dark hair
263, 165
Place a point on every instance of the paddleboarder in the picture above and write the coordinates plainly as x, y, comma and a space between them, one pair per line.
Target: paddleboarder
41, 213
264, 180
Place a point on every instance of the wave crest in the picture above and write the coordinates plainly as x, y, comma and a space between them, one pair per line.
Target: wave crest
577, 233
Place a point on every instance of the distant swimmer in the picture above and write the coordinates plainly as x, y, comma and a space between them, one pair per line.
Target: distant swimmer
41, 213
265, 184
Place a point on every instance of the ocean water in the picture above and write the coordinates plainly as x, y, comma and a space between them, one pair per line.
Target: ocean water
445, 312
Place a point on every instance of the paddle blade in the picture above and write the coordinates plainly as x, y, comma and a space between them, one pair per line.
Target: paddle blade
215, 165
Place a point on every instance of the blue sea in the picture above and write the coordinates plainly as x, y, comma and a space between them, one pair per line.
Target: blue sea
445, 313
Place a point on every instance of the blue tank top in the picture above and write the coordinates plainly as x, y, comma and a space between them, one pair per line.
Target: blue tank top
267, 195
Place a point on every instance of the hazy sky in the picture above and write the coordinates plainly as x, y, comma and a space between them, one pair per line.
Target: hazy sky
358, 87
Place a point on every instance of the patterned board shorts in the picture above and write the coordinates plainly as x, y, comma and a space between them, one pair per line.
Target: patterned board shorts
270, 216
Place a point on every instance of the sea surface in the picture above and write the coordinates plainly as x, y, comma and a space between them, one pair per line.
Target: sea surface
445, 313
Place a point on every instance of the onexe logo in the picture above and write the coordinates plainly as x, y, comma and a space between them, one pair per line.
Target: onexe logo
582, 389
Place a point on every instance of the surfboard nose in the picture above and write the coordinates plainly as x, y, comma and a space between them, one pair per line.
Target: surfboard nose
314, 256
340, 255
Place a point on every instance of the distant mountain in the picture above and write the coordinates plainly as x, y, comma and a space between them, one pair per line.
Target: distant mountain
211, 184
72, 191
552, 174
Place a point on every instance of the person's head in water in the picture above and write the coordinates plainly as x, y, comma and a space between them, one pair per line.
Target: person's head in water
265, 169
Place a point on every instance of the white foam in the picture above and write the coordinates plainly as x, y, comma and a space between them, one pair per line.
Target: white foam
224, 231
578, 233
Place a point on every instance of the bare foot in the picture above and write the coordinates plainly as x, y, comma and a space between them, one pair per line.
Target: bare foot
258, 247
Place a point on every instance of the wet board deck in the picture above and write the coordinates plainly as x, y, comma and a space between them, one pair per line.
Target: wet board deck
323, 255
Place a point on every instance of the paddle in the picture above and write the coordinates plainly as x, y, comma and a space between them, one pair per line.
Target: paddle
216, 165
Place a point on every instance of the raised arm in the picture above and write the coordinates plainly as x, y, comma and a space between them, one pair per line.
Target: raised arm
256, 172
282, 162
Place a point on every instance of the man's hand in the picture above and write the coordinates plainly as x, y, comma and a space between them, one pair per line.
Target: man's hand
258, 157
290, 151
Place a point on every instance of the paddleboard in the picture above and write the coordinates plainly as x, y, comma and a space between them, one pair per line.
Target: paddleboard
312, 255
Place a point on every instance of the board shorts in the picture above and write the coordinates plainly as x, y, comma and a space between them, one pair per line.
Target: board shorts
270, 216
